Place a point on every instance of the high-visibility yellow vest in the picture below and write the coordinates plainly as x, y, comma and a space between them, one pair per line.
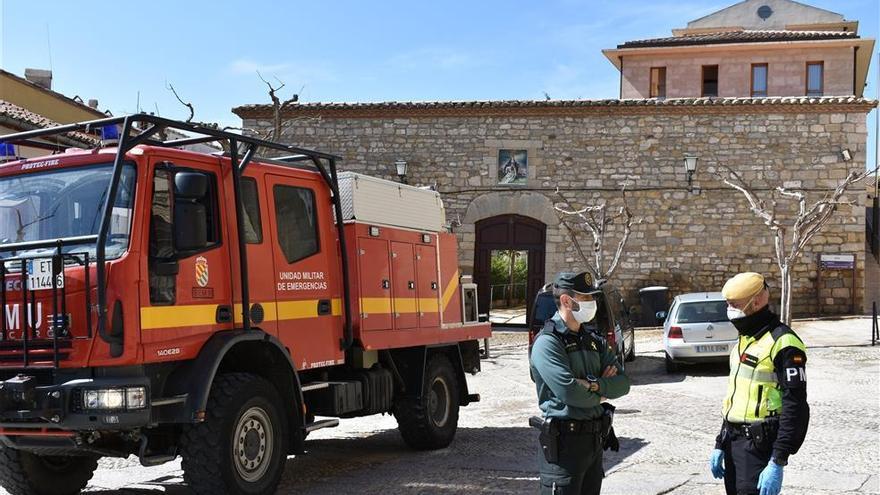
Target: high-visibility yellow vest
752, 388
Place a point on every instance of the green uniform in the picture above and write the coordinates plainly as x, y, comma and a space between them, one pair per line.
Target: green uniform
557, 361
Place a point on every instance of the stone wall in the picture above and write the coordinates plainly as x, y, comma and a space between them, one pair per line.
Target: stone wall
688, 240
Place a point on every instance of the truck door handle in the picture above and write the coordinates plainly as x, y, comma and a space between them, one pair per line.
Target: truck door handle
324, 307
411, 284
386, 284
224, 314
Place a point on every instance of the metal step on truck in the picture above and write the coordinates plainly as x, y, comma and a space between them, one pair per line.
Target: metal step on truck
159, 302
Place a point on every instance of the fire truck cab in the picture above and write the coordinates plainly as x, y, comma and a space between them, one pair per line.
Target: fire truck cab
220, 307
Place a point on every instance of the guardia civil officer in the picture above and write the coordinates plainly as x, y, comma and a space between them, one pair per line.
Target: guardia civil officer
765, 409
574, 372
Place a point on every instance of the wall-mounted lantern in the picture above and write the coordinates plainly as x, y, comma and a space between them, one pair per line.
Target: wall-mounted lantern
690, 166
401, 170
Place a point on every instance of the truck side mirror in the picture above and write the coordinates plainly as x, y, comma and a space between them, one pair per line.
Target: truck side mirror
190, 212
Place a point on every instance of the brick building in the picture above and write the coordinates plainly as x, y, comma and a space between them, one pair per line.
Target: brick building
498, 165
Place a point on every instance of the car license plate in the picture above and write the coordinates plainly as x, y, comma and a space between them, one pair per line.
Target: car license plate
40, 274
711, 348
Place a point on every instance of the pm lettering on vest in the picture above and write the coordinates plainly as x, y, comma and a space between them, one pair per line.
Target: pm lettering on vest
795, 375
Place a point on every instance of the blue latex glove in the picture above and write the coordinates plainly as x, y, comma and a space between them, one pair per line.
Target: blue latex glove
770, 480
716, 463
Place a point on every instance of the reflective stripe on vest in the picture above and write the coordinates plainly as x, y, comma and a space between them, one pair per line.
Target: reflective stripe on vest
752, 391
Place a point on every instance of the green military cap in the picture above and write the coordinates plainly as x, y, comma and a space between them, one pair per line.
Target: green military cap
743, 286
578, 282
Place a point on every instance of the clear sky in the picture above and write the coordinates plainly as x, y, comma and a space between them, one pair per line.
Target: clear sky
343, 50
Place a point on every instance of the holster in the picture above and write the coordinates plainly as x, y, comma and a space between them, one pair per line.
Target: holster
609, 438
549, 437
763, 433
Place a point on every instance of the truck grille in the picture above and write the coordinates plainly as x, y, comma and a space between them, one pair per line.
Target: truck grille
31, 336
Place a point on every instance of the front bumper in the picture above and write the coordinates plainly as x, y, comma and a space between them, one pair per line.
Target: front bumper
679, 350
26, 406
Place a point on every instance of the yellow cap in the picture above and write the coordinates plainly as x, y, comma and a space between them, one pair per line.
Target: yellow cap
743, 286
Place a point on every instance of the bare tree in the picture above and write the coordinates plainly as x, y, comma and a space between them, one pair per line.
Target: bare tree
192, 111
278, 106
597, 221
807, 223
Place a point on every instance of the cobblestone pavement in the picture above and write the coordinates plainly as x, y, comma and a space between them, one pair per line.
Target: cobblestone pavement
666, 427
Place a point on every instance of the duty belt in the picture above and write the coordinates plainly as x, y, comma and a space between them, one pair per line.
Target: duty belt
579, 425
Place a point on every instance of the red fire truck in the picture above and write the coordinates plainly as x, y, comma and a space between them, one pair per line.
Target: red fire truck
220, 307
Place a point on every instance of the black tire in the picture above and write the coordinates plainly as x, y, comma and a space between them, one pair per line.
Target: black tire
671, 366
23, 473
244, 410
430, 422
631, 352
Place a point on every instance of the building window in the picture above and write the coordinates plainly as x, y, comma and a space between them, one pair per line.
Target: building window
710, 80
815, 76
297, 220
658, 82
759, 80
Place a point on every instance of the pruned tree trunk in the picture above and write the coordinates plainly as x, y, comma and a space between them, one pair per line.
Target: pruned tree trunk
596, 221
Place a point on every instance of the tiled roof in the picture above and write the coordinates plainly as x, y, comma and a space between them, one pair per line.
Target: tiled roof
740, 37
247, 110
25, 120
64, 98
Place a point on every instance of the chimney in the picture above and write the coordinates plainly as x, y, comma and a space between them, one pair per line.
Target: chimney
40, 77
93, 103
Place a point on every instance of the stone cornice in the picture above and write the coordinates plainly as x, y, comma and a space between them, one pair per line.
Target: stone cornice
565, 108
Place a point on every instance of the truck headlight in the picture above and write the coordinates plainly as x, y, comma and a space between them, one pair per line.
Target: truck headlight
115, 398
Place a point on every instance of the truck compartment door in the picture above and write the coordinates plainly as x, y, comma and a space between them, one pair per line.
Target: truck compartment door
428, 286
403, 285
374, 272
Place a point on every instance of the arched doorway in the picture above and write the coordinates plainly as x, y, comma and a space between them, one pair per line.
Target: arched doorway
521, 238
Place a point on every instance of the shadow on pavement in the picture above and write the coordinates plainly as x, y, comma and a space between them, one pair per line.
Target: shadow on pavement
480, 460
646, 370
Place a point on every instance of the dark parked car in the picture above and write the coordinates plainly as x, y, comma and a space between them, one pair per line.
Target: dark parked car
612, 318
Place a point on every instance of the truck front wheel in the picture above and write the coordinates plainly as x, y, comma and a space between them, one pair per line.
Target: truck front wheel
23, 473
429, 422
242, 444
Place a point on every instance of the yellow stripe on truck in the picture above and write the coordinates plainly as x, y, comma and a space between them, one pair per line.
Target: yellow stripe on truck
450, 290
178, 316
156, 317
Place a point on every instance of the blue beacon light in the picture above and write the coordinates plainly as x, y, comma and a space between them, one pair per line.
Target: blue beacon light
7, 150
110, 133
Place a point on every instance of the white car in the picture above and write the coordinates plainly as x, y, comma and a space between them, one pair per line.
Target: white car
696, 330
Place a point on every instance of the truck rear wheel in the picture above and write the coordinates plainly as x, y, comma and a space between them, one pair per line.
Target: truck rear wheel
242, 444
23, 473
430, 422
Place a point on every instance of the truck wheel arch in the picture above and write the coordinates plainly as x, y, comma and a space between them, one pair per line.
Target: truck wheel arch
251, 351
412, 363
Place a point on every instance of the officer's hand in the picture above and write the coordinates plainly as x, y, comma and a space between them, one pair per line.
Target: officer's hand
716, 463
770, 480
609, 372
592, 387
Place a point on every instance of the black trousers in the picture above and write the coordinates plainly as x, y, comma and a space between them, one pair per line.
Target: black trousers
579, 470
743, 463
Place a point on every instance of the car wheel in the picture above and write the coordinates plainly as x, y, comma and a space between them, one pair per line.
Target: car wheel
241, 446
631, 352
671, 366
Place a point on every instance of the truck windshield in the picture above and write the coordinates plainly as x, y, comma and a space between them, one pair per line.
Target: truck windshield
65, 203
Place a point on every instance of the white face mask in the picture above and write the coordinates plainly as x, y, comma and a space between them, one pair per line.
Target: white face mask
586, 311
736, 313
